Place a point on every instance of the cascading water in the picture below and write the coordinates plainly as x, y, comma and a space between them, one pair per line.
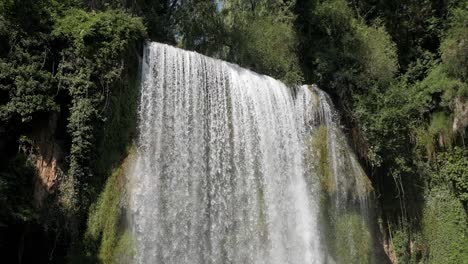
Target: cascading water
223, 171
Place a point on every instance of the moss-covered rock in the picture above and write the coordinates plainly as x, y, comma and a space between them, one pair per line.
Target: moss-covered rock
353, 239
107, 229
319, 158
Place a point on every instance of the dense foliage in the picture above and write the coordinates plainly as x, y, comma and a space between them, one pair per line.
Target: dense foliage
58, 58
397, 71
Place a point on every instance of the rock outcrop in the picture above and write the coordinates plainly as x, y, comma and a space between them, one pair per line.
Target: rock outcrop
47, 155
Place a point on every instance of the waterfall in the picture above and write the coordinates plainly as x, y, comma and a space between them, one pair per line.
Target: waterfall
226, 171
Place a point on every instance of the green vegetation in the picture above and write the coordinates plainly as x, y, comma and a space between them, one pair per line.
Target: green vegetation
445, 228
353, 241
340, 51
15, 183
344, 225
106, 222
396, 70
397, 73
258, 35
90, 66
82, 64
320, 159
408, 126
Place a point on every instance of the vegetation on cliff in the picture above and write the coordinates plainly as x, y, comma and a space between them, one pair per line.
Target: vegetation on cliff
397, 71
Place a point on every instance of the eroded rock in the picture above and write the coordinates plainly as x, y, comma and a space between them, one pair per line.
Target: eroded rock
47, 155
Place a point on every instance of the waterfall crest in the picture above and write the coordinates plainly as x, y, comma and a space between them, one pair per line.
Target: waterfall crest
226, 168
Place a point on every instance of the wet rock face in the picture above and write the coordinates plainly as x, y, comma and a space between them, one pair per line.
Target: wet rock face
47, 156
460, 121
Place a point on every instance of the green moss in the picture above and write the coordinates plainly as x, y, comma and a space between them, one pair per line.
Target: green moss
320, 159
106, 228
445, 228
346, 234
360, 186
320, 163
363, 186
353, 240
437, 136
347, 237
426, 140
441, 126
327, 222
124, 250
